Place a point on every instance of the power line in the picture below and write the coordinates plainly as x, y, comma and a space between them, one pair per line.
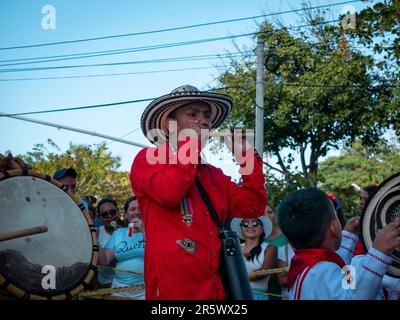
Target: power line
144, 48
77, 108
110, 74
60, 126
295, 84
177, 28
162, 60
84, 55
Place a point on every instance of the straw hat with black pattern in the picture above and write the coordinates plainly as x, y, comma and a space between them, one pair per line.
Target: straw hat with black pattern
156, 113
382, 207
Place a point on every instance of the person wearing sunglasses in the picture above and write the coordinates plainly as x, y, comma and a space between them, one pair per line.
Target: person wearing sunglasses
258, 254
126, 248
107, 210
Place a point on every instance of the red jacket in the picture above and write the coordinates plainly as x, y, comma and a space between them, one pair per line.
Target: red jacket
181, 260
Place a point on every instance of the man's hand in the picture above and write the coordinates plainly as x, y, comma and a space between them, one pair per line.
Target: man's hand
353, 225
388, 238
9, 163
237, 142
138, 224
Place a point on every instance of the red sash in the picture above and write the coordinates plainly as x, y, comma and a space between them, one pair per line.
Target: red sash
309, 257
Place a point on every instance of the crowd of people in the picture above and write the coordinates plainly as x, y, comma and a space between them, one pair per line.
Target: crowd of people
166, 244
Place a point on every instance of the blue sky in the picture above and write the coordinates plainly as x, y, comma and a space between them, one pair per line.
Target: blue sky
20, 24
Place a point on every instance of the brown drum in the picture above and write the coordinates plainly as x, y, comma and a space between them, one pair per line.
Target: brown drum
48, 245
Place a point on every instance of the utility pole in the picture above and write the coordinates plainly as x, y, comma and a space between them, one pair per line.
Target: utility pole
259, 143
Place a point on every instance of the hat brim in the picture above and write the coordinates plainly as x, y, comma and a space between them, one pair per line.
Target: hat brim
382, 208
235, 226
153, 121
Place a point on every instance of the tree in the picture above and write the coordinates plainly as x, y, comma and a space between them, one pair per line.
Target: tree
96, 167
320, 93
360, 165
378, 28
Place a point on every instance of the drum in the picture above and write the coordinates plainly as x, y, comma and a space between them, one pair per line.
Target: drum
382, 208
48, 245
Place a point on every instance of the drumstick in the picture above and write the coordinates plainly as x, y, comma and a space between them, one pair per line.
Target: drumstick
13, 164
263, 273
22, 233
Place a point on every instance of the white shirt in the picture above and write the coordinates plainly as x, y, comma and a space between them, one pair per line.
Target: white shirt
255, 265
326, 280
104, 276
287, 248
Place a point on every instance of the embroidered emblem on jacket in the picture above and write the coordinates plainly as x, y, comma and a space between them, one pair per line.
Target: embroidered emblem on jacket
187, 244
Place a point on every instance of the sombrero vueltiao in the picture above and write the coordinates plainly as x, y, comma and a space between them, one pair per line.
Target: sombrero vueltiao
156, 113
382, 208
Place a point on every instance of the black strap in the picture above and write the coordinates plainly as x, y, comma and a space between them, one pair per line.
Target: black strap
207, 201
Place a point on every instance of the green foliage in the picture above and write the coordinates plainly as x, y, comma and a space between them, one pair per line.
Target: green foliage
96, 167
320, 93
360, 165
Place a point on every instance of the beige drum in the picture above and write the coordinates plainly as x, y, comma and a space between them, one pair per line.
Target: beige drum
48, 245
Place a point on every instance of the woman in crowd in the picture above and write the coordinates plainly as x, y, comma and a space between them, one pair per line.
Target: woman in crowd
279, 241
258, 254
365, 195
126, 247
108, 213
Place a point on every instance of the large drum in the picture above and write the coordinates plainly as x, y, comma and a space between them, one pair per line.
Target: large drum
382, 208
48, 245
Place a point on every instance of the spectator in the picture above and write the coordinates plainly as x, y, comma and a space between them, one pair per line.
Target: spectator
338, 209
67, 176
277, 239
107, 210
9, 162
365, 195
285, 255
88, 203
258, 254
126, 247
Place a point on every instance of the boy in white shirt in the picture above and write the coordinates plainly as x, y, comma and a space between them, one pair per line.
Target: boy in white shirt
309, 222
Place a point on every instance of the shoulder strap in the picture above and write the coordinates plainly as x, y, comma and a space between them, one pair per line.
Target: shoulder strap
207, 201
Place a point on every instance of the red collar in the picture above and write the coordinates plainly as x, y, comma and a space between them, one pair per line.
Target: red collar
309, 257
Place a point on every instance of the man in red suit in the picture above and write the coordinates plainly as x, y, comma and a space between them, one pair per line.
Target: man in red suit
182, 252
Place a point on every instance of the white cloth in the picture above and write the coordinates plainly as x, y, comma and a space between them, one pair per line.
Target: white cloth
326, 280
137, 294
287, 248
104, 276
255, 265
392, 285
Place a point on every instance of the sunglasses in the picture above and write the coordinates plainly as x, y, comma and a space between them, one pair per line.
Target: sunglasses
254, 223
111, 213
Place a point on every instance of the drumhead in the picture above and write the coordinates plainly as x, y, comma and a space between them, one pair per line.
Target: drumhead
56, 264
382, 208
